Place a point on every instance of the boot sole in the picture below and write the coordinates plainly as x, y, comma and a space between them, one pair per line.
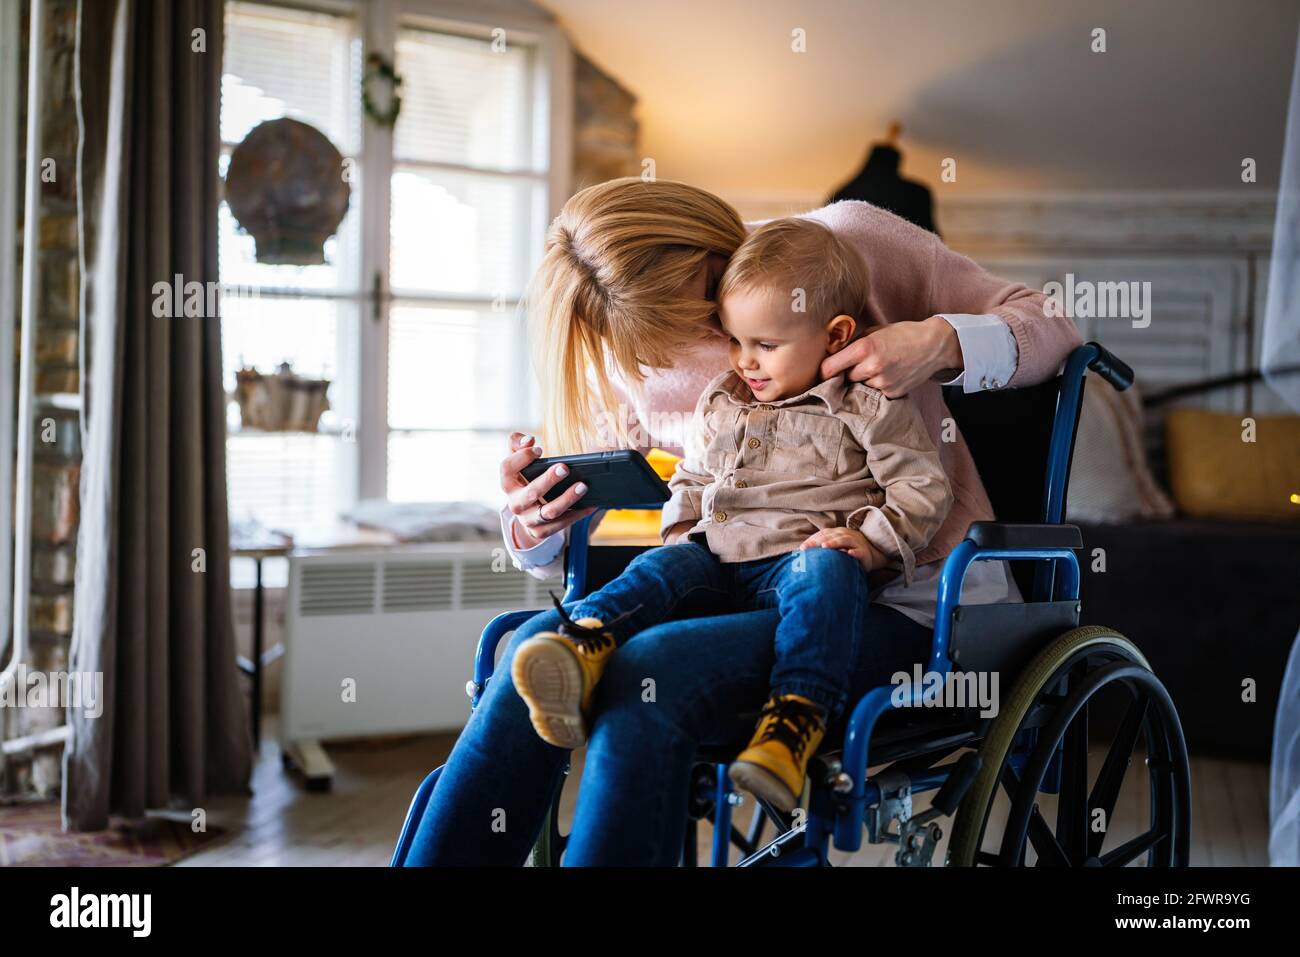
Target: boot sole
762, 783
549, 680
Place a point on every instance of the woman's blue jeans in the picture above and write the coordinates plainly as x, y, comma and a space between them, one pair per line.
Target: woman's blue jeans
682, 682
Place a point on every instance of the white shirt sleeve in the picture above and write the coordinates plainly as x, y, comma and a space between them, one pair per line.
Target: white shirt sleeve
540, 561
986, 583
988, 350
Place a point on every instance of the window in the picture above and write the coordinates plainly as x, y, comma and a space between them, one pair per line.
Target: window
306, 65
469, 203
415, 315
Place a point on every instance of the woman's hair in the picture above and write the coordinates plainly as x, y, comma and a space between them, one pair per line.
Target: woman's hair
608, 293
791, 256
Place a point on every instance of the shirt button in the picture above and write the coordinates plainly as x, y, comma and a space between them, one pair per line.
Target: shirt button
719, 516
741, 483
754, 443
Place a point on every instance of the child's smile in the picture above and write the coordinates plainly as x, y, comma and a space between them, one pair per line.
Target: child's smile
777, 351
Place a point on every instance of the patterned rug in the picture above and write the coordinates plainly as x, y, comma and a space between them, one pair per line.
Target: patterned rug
31, 835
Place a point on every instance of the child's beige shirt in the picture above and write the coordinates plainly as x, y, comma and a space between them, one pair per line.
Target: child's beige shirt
759, 478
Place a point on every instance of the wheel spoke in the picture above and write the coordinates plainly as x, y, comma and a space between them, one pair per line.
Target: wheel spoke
1010, 782
783, 822
1050, 853
1072, 803
1130, 851
1111, 777
756, 827
743, 843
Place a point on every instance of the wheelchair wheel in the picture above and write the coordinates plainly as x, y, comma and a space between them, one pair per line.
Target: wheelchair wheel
550, 843
1037, 751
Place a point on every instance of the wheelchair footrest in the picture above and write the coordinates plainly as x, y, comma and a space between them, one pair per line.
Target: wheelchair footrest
917, 835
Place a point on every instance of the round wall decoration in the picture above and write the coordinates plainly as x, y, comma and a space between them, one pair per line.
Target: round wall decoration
286, 186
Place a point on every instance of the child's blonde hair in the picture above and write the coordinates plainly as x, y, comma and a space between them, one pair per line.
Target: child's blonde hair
609, 290
789, 256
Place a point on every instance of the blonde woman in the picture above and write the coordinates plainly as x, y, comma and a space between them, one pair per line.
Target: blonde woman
622, 319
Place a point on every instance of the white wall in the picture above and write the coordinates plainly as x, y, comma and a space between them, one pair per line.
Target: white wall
1009, 88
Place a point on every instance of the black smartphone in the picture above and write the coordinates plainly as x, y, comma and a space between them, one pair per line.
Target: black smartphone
620, 479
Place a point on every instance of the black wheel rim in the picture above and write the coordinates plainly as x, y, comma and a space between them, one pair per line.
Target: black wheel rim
1075, 840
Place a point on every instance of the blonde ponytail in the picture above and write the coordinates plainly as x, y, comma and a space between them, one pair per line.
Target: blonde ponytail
608, 296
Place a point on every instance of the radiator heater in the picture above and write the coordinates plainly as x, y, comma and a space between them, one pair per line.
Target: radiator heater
382, 642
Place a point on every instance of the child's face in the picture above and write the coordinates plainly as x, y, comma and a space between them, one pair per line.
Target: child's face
777, 351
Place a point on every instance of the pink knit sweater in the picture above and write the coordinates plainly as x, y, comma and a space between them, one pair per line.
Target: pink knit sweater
913, 276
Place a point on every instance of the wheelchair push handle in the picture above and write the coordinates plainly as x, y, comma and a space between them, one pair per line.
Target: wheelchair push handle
1110, 367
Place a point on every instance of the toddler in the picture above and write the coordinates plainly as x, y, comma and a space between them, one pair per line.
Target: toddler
792, 490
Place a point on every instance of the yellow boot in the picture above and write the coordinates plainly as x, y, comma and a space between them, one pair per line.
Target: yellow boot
773, 766
556, 672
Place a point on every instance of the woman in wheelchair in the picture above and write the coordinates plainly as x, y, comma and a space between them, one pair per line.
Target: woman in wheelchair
622, 315
836, 467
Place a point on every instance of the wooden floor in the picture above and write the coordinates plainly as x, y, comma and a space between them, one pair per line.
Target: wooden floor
357, 823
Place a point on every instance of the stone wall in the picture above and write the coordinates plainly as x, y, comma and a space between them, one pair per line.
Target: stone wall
56, 456
606, 134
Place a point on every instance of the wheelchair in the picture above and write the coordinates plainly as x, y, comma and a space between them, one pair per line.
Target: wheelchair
993, 774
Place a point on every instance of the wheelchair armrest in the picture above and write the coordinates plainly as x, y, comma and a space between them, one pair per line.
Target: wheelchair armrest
486, 652
1005, 535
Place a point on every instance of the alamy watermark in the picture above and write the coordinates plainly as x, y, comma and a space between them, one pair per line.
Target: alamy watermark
659, 428
1084, 299
133, 912
54, 689
181, 299
967, 689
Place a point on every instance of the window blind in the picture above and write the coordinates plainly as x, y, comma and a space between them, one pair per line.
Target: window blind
280, 61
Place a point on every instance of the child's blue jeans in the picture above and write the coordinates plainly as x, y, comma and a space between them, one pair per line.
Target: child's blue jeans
820, 593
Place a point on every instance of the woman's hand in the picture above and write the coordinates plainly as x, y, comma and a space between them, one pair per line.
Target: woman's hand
852, 541
898, 357
536, 520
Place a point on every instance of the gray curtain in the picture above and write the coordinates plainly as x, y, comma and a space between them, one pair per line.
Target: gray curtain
151, 613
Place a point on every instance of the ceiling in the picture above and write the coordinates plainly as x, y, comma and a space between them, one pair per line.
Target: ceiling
1010, 89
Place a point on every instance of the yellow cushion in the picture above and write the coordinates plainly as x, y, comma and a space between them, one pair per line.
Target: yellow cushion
628, 526
1215, 474
664, 463
636, 526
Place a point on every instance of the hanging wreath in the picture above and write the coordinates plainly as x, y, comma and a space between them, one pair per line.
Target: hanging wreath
379, 68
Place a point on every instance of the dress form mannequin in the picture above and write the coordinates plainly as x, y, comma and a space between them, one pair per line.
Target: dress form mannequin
879, 183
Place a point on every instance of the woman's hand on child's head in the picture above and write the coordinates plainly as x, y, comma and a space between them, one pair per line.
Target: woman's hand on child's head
848, 540
536, 520
898, 357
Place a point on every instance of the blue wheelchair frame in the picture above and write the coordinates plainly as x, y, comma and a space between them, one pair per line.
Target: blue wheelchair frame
841, 816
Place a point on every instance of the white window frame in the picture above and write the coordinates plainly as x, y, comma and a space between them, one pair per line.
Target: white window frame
378, 22
350, 294
13, 540
554, 103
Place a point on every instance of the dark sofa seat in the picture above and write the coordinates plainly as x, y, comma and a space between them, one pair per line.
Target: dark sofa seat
1211, 604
